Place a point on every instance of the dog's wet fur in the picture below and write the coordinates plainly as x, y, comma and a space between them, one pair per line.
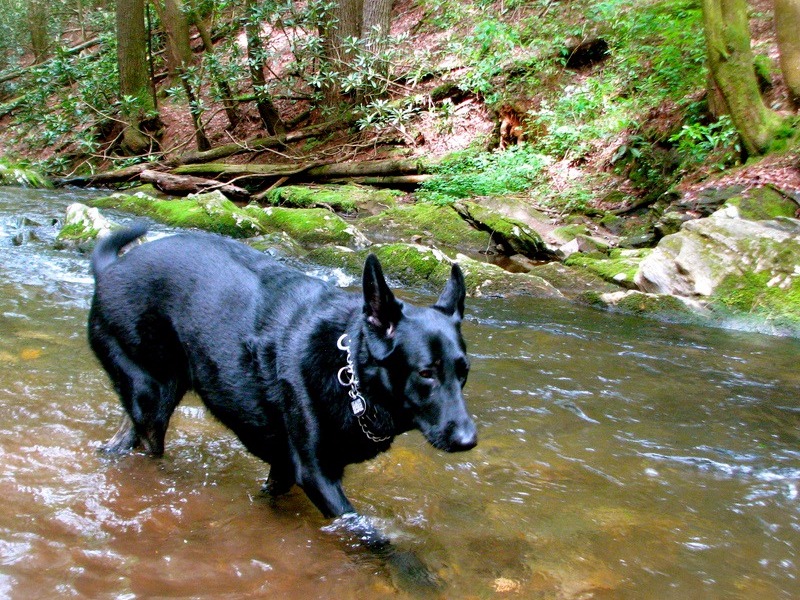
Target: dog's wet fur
257, 341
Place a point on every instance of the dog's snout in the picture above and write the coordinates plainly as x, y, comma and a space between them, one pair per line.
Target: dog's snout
462, 437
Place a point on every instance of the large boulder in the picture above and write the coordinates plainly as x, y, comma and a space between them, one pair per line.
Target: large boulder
732, 264
428, 224
82, 226
513, 235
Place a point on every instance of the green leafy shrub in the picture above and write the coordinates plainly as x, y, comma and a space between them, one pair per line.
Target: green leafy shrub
474, 173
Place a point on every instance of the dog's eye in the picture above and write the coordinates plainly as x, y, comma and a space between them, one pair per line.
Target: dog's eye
426, 373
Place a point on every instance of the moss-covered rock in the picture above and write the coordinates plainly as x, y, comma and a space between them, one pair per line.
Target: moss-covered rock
658, 306
742, 269
210, 212
773, 301
619, 267
82, 226
763, 203
513, 235
573, 281
341, 198
421, 267
311, 227
426, 223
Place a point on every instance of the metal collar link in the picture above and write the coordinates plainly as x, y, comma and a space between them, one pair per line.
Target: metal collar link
358, 404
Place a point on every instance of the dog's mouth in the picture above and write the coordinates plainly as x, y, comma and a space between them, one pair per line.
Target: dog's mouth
453, 437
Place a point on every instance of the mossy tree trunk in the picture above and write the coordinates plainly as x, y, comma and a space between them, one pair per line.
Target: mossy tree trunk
138, 104
787, 29
730, 61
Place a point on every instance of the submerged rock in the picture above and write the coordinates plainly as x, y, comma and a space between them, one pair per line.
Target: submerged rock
82, 226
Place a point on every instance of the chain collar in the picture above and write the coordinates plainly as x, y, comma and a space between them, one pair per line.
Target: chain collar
358, 404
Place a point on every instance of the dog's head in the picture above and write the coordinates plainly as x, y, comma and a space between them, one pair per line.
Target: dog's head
421, 357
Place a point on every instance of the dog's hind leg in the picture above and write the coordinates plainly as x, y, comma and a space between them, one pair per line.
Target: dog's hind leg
125, 439
149, 404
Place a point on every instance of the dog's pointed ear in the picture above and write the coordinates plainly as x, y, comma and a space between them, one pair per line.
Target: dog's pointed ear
451, 302
381, 310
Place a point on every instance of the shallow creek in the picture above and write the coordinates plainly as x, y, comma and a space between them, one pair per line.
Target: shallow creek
618, 458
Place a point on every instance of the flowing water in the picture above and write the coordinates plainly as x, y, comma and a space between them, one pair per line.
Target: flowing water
618, 458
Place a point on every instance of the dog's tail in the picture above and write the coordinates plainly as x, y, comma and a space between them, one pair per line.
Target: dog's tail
107, 249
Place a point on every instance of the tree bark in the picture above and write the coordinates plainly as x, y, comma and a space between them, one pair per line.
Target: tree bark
183, 185
730, 61
270, 117
180, 61
139, 109
223, 87
37, 27
376, 22
346, 22
787, 30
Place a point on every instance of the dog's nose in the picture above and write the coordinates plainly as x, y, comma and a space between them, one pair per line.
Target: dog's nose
463, 437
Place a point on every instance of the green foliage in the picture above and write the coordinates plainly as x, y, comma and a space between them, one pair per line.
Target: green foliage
476, 173
698, 142
22, 175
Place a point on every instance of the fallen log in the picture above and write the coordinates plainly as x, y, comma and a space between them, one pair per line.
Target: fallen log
125, 175
183, 185
315, 170
390, 181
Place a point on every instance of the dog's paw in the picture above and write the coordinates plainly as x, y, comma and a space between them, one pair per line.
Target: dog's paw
410, 574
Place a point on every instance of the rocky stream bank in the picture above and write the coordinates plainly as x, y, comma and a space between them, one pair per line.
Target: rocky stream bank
729, 257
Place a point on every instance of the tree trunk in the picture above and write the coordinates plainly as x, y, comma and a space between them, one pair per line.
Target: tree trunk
376, 22
223, 87
139, 109
255, 59
787, 29
37, 27
346, 22
183, 185
730, 61
180, 60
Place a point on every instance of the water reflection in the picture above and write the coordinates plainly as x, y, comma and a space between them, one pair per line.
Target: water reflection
619, 458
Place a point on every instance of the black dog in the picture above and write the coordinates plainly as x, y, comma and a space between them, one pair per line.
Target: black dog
309, 377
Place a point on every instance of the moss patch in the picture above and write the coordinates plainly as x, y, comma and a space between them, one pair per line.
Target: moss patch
311, 227
423, 222
341, 198
428, 269
619, 267
210, 212
758, 204
515, 236
773, 299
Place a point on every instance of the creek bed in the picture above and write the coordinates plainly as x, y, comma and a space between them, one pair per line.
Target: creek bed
617, 458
